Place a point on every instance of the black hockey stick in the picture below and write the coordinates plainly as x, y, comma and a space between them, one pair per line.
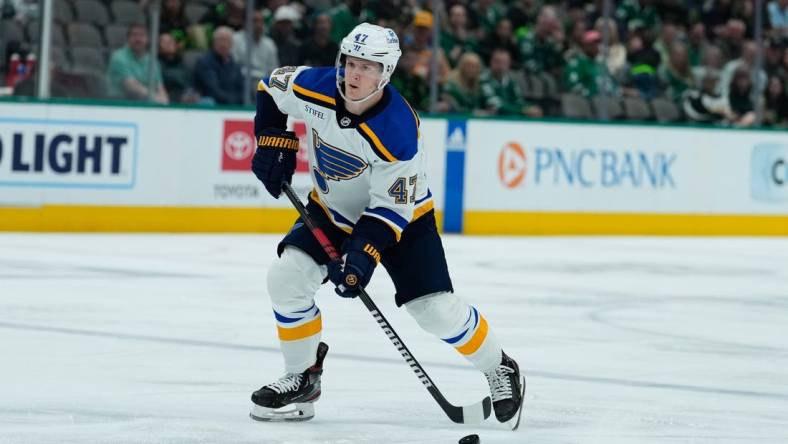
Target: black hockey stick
472, 414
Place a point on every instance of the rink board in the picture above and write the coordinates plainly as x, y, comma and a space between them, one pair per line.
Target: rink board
112, 168
558, 178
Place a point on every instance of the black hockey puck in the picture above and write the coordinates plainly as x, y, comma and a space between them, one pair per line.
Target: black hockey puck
470, 439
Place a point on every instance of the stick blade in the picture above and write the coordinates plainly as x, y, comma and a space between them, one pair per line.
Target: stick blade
474, 413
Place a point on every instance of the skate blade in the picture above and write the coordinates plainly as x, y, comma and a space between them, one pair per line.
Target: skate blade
289, 413
515, 421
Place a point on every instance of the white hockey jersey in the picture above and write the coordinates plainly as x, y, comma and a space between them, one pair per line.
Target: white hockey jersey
371, 164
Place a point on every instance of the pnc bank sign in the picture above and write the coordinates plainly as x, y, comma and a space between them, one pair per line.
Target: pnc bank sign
585, 168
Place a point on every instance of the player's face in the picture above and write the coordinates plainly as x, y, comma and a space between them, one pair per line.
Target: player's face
361, 77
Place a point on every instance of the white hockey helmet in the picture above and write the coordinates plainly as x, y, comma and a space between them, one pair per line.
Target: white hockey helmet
374, 43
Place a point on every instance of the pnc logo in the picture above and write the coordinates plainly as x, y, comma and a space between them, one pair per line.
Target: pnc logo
512, 165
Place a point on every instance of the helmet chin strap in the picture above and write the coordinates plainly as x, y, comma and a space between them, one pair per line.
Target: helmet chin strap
381, 84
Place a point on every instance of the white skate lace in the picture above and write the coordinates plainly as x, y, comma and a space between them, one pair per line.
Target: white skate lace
500, 383
287, 383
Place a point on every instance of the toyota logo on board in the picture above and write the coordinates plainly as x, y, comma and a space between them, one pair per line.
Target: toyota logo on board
239, 145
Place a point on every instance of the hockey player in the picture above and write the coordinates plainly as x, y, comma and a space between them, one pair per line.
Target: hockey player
371, 199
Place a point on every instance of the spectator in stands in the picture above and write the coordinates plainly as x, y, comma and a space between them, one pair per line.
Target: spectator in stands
746, 61
502, 37
500, 93
668, 35
643, 61
778, 18
585, 74
731, 38
485, 15
523, 14
463, 91
616, 61
676, 74
127, 73
697, 43
576, 30
320, 50
776, 103
177, 79
745, 12
712, 63
228, 13
283, 34
264, 55
457, 37
741, 108
413, 88
421, 47
173, 21
634, 14
217, 77
575, 11
705, 105
344, 17
540, 49
385, 13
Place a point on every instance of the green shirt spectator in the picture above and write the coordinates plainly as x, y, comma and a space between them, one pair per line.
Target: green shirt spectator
462, 90
343, 20
500, 93
486, 14
676, 74
585, 75
457, 38
412, 87
540, 49
174, 22
127, 74
637, 14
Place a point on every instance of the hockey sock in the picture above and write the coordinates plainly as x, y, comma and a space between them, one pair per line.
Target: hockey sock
299, 335
459, 325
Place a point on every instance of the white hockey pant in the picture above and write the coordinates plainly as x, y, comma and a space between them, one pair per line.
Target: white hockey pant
293, 280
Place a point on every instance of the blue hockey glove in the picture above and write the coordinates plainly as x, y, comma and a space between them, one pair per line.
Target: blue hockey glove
274, 162
350, 277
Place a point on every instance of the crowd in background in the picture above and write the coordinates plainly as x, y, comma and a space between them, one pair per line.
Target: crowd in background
495, 57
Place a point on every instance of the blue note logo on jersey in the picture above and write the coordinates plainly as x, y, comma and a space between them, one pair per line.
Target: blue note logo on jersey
334, 164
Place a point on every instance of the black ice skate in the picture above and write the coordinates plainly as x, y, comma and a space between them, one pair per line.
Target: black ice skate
508, 390
292, 397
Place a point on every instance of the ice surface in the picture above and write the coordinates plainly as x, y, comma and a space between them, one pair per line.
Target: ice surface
162, 338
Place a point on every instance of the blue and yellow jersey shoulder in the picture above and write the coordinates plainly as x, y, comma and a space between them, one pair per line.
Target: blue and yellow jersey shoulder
394, 133
316, 85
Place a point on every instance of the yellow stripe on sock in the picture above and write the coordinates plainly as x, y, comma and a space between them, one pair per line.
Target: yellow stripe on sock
311, 328
477, 340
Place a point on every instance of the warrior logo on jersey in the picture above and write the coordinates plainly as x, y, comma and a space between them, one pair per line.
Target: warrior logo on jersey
334, 164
